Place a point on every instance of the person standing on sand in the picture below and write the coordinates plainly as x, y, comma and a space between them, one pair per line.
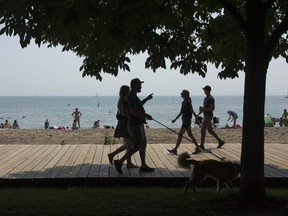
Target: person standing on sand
46, 124
136, 120
186, 113
284, 118
207, 109
121, 128
77, 114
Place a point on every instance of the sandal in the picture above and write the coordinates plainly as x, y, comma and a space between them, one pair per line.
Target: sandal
110, 157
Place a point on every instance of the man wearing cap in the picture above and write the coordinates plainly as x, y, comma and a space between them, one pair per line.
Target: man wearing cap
207, 109
136, 120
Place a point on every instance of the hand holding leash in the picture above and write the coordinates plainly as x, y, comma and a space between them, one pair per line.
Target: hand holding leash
149, 117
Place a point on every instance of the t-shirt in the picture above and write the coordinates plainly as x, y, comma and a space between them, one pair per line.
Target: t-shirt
186, 110
134, 101
233, 114
207, 101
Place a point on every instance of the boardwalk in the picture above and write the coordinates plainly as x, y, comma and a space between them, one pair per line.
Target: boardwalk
86, 164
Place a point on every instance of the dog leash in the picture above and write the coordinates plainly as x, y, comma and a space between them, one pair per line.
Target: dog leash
217, 156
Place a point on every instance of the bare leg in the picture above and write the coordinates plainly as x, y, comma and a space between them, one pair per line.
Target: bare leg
127, 143
117, 151
179, 140
234, 123
189, 132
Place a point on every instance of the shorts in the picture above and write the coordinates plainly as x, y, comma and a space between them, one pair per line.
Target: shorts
137, 135
186, 123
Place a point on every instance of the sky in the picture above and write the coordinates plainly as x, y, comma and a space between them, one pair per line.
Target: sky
43, 71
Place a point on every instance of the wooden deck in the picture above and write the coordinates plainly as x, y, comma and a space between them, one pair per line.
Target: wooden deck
66, 165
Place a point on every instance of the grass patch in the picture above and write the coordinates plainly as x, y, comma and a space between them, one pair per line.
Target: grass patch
109, 140
133, 201
63, 142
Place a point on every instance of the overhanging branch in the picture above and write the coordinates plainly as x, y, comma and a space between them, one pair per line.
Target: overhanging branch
269, 4
272, 42
233, 12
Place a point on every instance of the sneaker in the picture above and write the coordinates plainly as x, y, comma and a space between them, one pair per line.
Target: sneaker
110, 157
173, 151
146, 169
221, 143
118, 166
197, 150
202, 147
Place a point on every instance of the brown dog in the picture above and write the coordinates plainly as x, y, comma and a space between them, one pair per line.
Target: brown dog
224, 172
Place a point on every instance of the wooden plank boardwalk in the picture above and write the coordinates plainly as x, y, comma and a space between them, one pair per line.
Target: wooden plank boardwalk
83, 164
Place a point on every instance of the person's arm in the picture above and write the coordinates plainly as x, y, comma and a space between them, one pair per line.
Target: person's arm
123, 109
208, 109
174, 120
139, 113
149, 97
229, 117
193, 112
136, 112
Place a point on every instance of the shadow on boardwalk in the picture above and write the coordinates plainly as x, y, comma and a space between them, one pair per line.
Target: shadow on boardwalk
88, 165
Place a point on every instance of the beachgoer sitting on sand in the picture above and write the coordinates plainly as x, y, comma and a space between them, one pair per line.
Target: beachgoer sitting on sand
74, 125
15, 125
6, 124
96, 124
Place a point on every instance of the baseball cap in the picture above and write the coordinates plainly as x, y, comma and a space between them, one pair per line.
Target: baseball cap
207, 88
135, 82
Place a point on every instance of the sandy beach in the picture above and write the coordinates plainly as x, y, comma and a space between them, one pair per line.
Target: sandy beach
101, 136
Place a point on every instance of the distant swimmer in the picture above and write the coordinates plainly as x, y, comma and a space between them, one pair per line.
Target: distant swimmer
68, 105
23, 117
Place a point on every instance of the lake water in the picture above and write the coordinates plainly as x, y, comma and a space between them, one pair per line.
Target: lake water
31, 112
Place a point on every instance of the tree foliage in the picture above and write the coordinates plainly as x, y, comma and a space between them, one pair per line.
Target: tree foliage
234, 35
189, 34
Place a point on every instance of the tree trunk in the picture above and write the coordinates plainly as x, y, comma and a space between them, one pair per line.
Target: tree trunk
252, 185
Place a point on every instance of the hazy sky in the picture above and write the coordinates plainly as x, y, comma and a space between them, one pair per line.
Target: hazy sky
51, 72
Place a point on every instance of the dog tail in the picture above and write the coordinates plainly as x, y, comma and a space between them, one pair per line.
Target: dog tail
184, 160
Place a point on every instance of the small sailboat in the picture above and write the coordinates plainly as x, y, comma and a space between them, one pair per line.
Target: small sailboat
286, 94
